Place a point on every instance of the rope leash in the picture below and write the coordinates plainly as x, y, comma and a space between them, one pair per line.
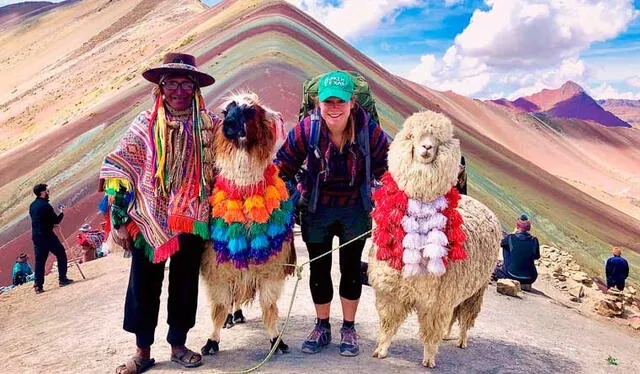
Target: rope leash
293, 297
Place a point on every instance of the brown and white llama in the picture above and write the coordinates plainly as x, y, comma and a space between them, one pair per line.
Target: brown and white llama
252, 219
433, 250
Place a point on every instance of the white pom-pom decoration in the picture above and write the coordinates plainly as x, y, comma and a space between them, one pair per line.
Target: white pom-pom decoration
412, 269
414, 240
411, 256
436, 266
434, 251
410, 224
437, 237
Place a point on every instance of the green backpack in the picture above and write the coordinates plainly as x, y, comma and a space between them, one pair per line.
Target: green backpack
363, 95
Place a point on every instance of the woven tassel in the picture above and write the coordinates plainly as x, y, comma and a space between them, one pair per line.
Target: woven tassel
237, 247
437, 221
218, 197
410, 270
259, 242
414, 240
436, 266
259, 215
410, 225
457, 253
103, 206
258, 229
433, 251
166, 250
411, 256
437, 237
236, 230
275, 229
179, 224
201, 229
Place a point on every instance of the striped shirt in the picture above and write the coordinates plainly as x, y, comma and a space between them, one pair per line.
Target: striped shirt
341, 173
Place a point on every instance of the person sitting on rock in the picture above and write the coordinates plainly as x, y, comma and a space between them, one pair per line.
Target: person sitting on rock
519, 251
21, 270
617, 269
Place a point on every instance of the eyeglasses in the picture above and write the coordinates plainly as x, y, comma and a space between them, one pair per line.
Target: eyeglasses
173, 85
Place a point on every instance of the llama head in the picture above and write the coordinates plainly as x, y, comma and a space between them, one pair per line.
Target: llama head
247, 138
424, 156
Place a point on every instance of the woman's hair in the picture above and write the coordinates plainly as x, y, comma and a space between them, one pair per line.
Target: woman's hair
350, 129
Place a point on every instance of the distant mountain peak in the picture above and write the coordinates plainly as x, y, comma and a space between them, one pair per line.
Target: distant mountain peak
571, 88
568, 101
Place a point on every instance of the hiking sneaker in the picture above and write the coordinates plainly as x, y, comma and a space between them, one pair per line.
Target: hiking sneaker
349, 342
320, 337
65, 282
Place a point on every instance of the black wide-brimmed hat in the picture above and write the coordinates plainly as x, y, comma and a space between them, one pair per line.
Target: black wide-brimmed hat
178, 64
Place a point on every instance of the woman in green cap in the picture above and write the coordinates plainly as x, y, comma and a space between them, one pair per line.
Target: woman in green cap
337, 186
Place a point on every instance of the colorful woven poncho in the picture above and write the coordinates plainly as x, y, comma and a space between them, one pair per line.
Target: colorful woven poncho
249, 224
154, 214
417, 237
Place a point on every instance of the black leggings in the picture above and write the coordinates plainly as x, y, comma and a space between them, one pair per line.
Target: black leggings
320, 279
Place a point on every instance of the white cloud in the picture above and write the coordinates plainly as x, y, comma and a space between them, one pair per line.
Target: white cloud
353, 18
633, 81
524, 45
451, 2
606, 91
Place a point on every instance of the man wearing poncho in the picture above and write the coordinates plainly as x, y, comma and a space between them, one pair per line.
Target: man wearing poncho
157, 183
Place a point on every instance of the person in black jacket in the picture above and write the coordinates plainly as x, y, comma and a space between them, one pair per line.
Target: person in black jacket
519, 251
617, 269
461, 183
43, 219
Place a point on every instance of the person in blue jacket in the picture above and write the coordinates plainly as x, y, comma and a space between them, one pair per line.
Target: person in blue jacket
21, 270
519, 251
617, 269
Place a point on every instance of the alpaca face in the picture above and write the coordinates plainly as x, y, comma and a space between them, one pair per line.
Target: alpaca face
425, 149
424, 156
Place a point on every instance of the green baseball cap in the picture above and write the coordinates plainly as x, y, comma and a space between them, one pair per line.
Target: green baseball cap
336, 84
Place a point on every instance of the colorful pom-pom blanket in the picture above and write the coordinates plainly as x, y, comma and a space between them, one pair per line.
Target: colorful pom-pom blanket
417, 237
249, 224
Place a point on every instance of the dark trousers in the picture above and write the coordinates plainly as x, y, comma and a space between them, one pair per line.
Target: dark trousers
617, 284
145, 285
320, 278
42, 247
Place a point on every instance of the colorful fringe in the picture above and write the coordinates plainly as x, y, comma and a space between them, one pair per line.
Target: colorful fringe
417, 226
249, 224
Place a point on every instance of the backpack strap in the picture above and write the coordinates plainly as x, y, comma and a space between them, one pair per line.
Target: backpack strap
365, 147
314, 151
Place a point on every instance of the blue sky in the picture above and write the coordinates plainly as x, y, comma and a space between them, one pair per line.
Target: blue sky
494, 48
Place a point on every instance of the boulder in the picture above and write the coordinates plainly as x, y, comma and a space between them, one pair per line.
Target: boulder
508, 287
582, 277
609, 308
635, 324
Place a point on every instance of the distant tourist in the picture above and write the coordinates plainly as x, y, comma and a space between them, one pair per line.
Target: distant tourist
43, 219
519, 251
21, 270
617, 269
461, 184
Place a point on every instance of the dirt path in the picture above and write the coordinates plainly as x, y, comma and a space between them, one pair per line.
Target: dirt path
78, 329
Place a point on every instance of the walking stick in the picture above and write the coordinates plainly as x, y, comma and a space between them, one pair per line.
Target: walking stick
75, 255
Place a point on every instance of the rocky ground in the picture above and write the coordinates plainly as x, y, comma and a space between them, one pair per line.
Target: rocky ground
78, 329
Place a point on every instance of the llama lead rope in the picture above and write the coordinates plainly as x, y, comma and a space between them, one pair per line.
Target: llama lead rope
299, 268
